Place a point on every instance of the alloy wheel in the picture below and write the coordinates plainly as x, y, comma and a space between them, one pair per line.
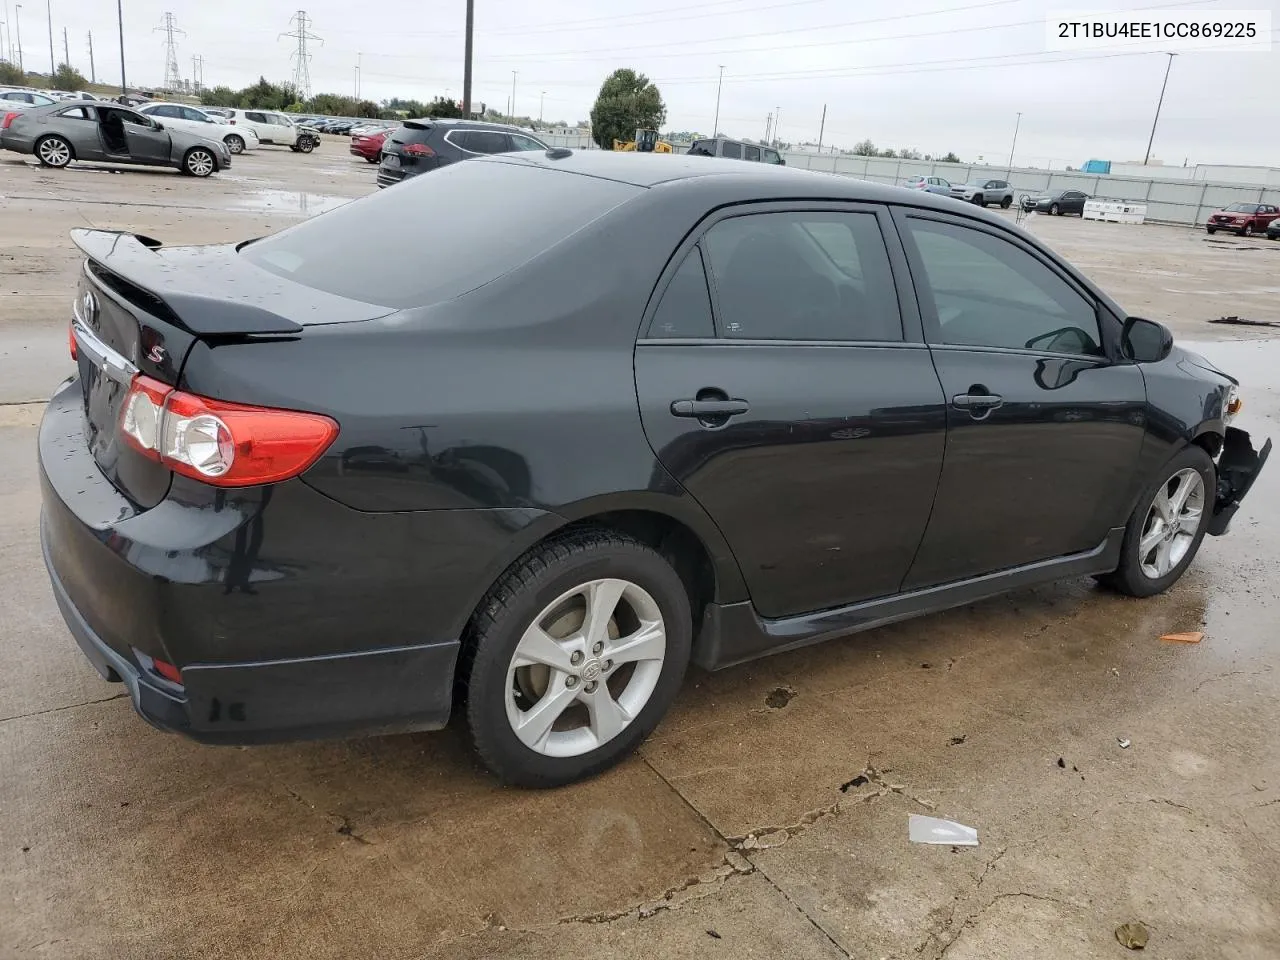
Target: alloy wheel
55, 152
1172, 521
200, 163
235, 145
585, 667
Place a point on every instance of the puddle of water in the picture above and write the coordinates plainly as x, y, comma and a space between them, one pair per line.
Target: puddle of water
297, 202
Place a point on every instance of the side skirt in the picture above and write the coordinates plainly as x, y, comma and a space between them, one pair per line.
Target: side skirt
733, 633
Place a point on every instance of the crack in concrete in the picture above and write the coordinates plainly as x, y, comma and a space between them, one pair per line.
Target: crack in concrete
974, 917
732, 865
69, 706
1220, 676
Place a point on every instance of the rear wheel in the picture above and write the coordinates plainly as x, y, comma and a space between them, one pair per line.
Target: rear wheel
1006, 203
199, 162
1166, 529
575, 655
53, 151
235, 143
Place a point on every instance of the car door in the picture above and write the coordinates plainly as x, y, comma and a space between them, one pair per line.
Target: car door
146, 143
80, 126
1044, 429
783, 382
1074, 202
257, 121
282, 129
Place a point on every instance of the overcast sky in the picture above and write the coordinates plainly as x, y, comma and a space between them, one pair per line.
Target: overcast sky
935, 75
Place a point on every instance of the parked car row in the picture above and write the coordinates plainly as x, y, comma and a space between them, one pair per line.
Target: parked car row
983, 191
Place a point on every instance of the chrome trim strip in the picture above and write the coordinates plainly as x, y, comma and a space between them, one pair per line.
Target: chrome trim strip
106, 359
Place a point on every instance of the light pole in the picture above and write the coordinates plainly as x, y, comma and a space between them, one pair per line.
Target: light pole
715, 125
1016, 125
358, 55
17, 22
53, 67
512, 114
1159, 104
120, 16
542, 99
466, 61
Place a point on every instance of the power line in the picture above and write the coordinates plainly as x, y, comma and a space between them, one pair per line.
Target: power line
301, 59
172, 75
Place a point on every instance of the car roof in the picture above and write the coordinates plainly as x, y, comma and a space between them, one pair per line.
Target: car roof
754, 181
466, 124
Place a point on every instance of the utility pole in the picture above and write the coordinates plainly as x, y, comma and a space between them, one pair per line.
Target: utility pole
512, 112
358, 56
302, 59
93, 71
466, 60
197, 73
1159, 104
1015, 139
66, 50
822, 128
172, 75
768, 124
53, 67
17, 20
715, 124
542, 99
120, 16
777, 118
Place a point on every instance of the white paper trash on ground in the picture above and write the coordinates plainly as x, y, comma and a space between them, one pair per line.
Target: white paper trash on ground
932, 830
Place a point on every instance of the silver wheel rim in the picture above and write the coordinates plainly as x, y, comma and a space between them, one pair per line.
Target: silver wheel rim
55, 153
585, 668
1172, 521
200, 163
235, 144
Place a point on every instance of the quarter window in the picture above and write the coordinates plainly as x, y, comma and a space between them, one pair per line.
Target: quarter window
523, 143
685, 310
77, 113
987, 292
803, 276
255, 117
750, 152
731, 150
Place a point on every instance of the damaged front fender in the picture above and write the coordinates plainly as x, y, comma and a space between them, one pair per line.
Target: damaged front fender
1238, 466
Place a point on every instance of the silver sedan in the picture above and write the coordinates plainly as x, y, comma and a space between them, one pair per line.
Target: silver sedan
108, 133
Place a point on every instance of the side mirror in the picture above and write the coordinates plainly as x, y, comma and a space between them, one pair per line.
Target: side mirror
1145, 341
157, 125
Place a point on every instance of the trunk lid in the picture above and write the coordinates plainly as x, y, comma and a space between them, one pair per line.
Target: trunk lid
140, 308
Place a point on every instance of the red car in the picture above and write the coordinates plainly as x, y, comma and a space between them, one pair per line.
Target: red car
1243, 218
369, 145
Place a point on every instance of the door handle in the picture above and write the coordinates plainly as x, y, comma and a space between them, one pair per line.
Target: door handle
977, 401
708, 409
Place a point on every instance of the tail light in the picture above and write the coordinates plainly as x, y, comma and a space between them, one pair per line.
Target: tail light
8, 119
71, 342
417, 150
225, 444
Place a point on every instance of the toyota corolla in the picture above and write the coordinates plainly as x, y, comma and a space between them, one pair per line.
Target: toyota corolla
636, 413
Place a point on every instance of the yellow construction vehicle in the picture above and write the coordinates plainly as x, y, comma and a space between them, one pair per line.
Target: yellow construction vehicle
646, 141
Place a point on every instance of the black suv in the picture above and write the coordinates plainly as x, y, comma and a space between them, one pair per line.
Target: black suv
423, 145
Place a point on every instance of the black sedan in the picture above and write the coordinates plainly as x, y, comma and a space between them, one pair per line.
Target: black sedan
514, 447
1056, 203
1273, 229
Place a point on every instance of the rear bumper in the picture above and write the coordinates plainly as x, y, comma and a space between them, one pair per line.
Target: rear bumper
295, 620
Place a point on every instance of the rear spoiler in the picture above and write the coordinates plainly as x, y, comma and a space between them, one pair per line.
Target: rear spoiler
201, 304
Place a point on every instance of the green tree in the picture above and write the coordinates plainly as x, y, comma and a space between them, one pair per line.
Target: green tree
888, 153
627, 101
909, 153
440, 107
10, 75
221, 96
949, 158
865, 148
67, 77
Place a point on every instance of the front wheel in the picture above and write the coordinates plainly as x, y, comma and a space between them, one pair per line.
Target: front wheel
1247, 231
575, 655
1006, 203
374, 159
235, 144
1211, 230
306, 145
977, 199
1053, 210
1165, 530
199, 162
53, 152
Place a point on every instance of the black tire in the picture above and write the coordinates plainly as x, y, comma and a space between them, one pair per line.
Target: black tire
306, 145
977, 199
199, 162
1054, 211
1211, 230
1247, 231
523, 592
1128, 577
1006, 203
235, 144
373, 159
53, 151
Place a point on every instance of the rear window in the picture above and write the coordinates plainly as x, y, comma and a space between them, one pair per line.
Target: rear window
411, 133
438, 236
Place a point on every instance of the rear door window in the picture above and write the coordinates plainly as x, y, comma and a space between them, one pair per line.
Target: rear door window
256, 117
731, 150
78, 113
750, 152
494, 216
685, 310
807, 275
